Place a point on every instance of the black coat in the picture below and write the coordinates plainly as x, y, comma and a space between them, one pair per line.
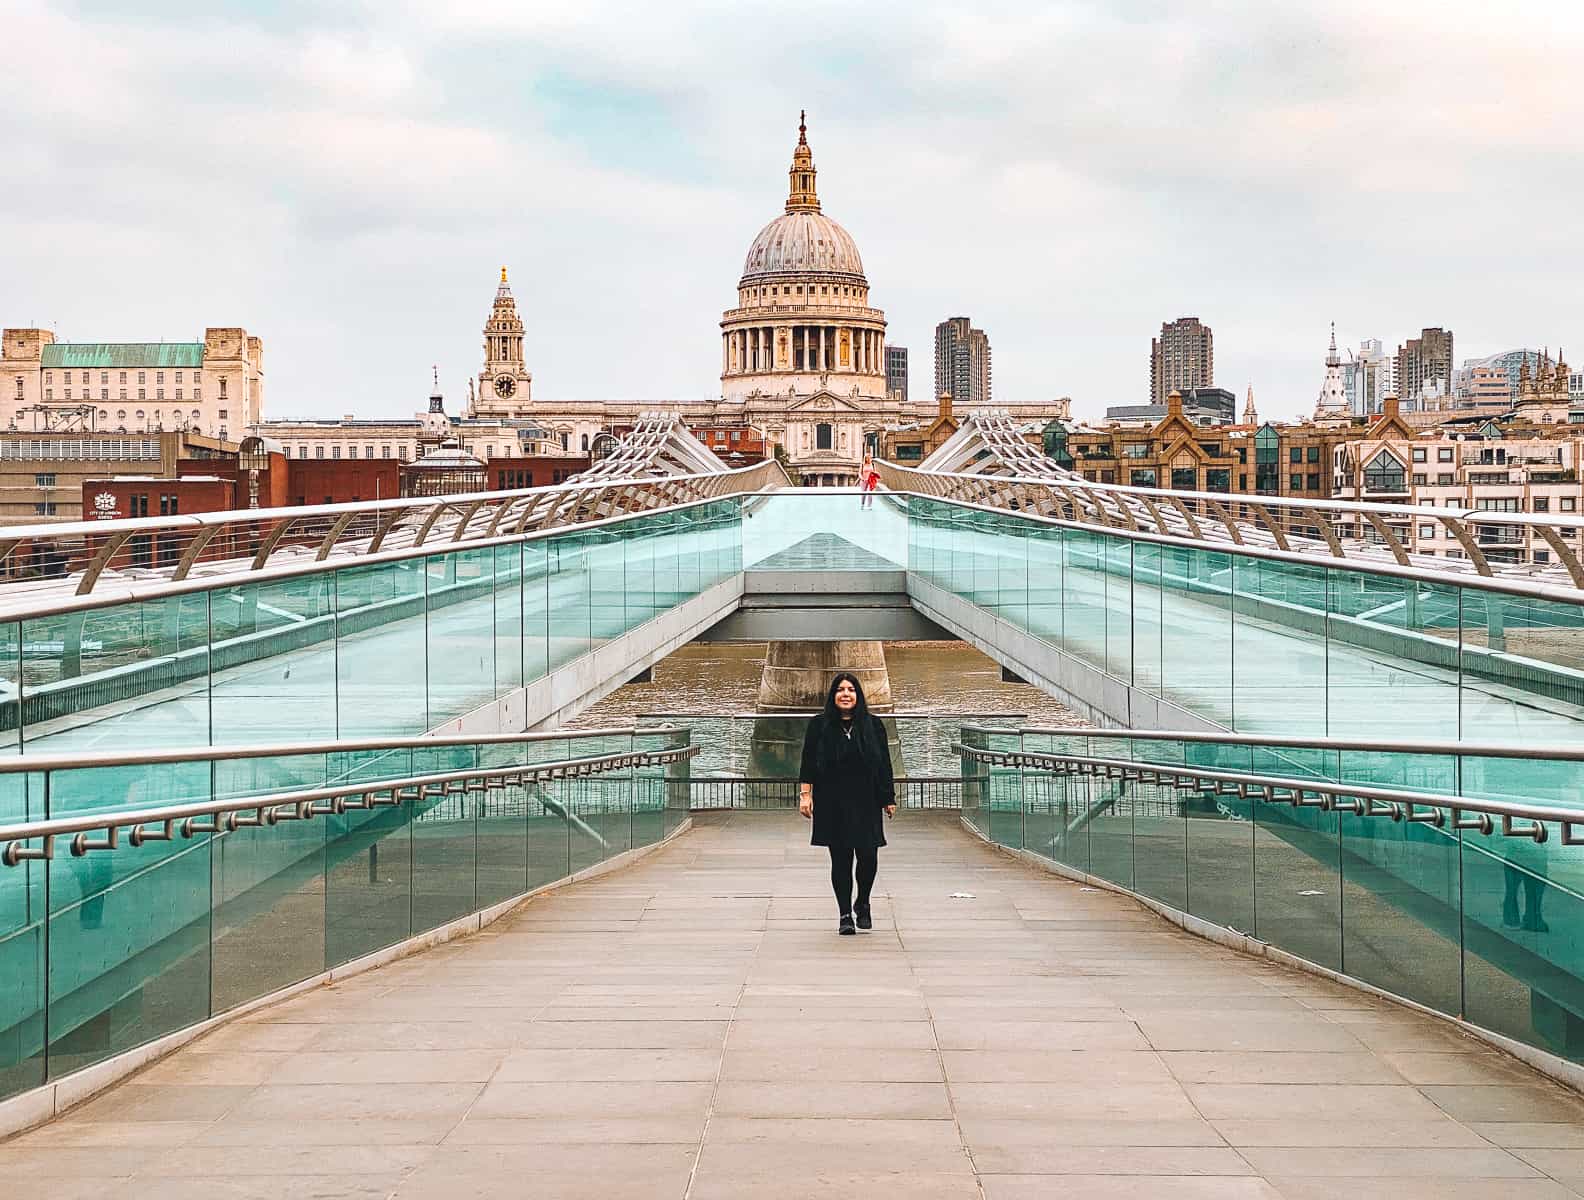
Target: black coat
850, 792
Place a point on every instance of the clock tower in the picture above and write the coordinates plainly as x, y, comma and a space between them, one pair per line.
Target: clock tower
504, 385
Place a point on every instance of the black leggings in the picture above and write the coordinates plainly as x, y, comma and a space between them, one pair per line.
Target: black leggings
842, 875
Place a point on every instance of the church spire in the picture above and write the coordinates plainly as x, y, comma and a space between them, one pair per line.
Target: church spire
1250, 415
801, 196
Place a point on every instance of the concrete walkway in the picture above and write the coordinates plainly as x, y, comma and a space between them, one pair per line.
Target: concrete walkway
693, 1027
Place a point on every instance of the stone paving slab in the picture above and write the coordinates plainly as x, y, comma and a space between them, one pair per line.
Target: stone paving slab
693, 1028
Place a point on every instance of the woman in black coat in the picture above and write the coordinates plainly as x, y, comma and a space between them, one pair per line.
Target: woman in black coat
844, 784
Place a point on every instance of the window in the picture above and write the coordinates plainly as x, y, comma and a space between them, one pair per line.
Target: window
44, 508
302, 450
104, 376
104, 393
1420, 479
1427, 531
19, 387
169, 505
1419, 454
44, 479
384, 451
913, 453
137, 506
823, 436
1185, 479
178, 376
68, 393
159, 377
1445, 479
335, 451
222, 387
142, 376
1497, 504
319, 451
178, 393
1135, 450
122, 379
159, 393
1542, 504
1213, 449
142, 394
368, 451
1218, 479
1384, 474
49, 393
1542, 556
1569, 503
1295, 483
1444, 454
1312, 481
1142, 477
121, 393
1295, 455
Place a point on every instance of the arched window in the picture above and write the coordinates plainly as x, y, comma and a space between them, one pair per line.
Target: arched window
1383, 473
822, 436
585, 443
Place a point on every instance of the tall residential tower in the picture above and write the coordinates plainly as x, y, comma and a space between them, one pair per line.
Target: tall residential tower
1183, 357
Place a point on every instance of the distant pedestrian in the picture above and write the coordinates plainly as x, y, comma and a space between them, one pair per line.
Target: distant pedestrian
844, 784
868, 479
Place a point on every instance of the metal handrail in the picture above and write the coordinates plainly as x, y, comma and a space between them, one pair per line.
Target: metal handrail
184, 820
86, 760
1361, 800
363, 529
1446, 576
1389, 745
1138, 507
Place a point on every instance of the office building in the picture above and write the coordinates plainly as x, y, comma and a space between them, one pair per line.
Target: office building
962, 361
896, 373
1181, 359
1424, 370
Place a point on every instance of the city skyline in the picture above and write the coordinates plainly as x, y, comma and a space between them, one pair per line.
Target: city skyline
351, 182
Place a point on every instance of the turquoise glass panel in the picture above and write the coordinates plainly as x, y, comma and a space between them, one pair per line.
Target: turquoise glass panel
1279, 650
1149, 629
1196, 631
1045, 584
274, 661
535, 610
1521, 646
1297, 895
607, 585
1391, 645
1400, 903
382, 650
568, 565
508, 606
460, 632
1084, 596
638, 543
1118, 567
105, 659
22, 944
129, 931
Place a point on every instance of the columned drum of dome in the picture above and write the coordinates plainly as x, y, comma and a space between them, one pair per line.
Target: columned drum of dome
803, 323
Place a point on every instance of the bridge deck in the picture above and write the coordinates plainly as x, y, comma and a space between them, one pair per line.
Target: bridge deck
692, 1027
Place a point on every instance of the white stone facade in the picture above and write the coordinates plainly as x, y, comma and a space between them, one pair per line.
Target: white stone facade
214, 387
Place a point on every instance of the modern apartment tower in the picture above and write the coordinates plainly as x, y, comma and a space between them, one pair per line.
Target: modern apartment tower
962, 361
896, 373
1424, 370
1182, 358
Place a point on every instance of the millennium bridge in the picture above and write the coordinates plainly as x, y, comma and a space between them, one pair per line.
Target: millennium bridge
308, 886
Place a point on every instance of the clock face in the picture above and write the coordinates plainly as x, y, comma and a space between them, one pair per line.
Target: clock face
505, 385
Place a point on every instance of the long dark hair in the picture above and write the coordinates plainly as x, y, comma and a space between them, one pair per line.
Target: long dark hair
869, 745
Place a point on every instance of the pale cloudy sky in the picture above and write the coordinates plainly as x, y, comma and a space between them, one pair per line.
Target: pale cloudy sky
345, 177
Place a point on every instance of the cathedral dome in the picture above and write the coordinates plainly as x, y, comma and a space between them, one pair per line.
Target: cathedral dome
802, 242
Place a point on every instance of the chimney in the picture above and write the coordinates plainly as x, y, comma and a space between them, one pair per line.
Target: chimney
1389, 408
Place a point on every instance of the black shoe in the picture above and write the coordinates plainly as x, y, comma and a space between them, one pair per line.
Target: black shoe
846, 927
865, 921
